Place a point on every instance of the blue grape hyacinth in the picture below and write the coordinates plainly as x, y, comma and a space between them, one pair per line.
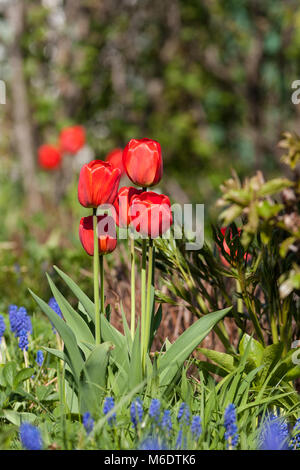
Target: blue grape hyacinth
108, 405
184, 414
166, 422
30, 437
274, 433
154, 409
55, 307
2, 326
39, 358
295, 440
23, 340
196, 428
136, 412
12, 312
88, 422
231, 434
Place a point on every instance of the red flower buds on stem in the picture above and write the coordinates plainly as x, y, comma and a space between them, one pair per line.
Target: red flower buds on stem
107, 237
72, 139
142, 161
49, 157
150, 214
98, 183
122, 204
227, 248
115, 158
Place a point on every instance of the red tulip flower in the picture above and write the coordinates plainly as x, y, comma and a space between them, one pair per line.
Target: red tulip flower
115, 157
107, 238
49, 157
150, 214
122, 204
142, 161
98, 183
72, 139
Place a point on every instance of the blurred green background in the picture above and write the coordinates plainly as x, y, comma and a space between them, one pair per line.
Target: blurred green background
210, 80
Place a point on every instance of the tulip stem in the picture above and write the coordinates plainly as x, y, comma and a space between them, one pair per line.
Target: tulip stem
149, 305
96, 279
102, 283
143, 299
132, 324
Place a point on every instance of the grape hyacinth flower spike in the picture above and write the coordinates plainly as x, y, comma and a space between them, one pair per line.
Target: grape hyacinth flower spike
30, 437
88, 422
231, 434
108, 405
136, 412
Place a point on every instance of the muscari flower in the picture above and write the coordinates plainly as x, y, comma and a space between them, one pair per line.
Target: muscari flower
23, 340
12, 311
154, 409
39, 358
196, 428
184, 414
274, 433
108, 405
88, 422
2, 326
152, 443
136, 411
30, 437
55, 307
231, 434
166, 422
295, 441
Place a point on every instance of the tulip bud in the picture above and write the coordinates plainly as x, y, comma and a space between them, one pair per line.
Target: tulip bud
98, 183
142, 161
72, 139
115, 158
227, 248
49, 157
122, 204
107, 238
150, 214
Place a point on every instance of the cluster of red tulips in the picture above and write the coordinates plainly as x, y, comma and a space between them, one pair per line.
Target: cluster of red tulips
144, 213
71, 140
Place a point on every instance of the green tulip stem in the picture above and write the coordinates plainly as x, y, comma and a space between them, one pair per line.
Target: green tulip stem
149, 306
132, 323
102, 283
143, 298
96, 279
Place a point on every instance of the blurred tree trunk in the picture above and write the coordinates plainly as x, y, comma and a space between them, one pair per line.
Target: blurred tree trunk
22, 126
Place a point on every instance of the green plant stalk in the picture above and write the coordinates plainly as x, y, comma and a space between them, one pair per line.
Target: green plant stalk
251, 310
143, 298
149, 306
26, 365
96, 279
132, 321
101, 259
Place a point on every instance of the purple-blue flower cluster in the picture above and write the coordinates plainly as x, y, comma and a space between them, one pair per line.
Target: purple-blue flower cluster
55, 307
231, 434
154, 409
274, 433
39, 358
136, 412
295, 440
30, 437
88, 422
2, 326
108, 405
20, 325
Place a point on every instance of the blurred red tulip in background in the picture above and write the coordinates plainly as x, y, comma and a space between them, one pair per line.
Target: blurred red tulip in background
49, 157
72, 139
115, 157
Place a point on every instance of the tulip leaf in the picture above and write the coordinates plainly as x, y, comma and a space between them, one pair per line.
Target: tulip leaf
173, 359
67, 335
81, 296
73, 319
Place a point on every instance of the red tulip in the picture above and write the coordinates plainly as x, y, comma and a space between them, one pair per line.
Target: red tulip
49, 157
107, 238
72, 139
142, 161
98, 183
226, 247
150, 213
115, 157
122, 204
